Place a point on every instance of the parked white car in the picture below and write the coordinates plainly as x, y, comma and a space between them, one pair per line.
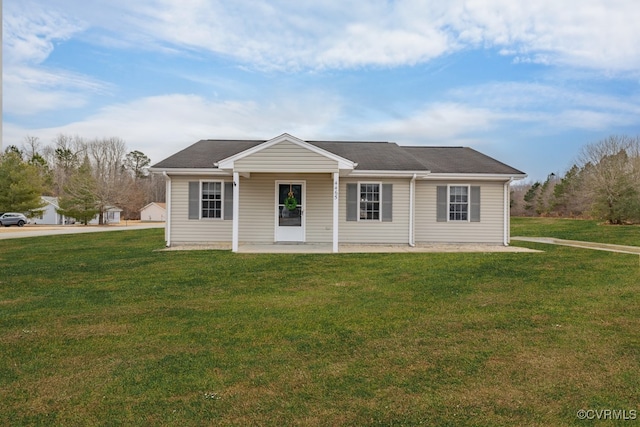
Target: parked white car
12, 218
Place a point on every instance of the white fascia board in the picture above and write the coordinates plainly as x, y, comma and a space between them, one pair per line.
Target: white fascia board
473, 177
51, 202
190, 171
228, 163
388, 174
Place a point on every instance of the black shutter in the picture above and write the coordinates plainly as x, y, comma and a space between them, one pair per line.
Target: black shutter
352, 202
475, 204
387, 202
228, 200
442, 204
194, 200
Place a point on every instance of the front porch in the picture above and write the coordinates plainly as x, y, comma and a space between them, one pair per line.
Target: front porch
327, 248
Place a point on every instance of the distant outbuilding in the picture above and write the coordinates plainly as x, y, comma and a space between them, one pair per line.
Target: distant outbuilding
154, 212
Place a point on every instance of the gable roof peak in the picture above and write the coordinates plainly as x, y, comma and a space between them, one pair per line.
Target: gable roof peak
228, 162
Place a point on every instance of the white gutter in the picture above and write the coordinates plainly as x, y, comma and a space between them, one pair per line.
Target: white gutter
474, 176
192, 171
412, 196
387, 173
167, 225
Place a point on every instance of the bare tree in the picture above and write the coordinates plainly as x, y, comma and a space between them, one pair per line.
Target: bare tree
612, 177
31, 147
64, 158
107, 160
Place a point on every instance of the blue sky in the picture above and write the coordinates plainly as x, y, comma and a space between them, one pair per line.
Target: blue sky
527, 82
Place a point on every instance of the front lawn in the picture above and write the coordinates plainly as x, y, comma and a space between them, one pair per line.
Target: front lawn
104, 330
576, 229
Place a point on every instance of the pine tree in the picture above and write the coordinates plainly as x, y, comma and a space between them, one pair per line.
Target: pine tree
531, 197
79, 199
21, 184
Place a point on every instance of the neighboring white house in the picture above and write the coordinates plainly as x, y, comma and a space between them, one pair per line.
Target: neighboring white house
289, 190
50, 215
111, 215
154, 211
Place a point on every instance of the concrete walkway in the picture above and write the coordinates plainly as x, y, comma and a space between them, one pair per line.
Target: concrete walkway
635, 250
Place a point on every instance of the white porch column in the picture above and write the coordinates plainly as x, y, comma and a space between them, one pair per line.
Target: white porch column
336, 209
167, 224
236, 212
412, 213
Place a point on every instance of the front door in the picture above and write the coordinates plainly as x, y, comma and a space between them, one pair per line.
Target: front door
290, 222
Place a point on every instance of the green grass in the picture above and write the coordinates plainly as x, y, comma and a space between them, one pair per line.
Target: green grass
104, 330
574, 229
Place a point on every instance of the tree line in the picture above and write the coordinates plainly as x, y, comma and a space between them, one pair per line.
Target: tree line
87, 176
603, 184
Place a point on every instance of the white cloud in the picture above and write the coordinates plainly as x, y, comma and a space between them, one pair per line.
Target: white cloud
550, 107
161, 125
595, 34
479, 114
29, 90
29, 36
29, 32
445, 123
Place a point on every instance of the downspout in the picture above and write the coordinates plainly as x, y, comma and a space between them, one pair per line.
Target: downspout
507, 210
167, 226
412, 196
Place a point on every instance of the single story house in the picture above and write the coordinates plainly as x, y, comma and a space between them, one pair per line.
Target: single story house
111, 215
49, 214
154, 212
289, 190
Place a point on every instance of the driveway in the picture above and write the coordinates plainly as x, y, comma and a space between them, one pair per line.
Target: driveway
52, 230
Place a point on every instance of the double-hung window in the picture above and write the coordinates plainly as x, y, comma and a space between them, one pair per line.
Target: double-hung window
211, 201
458, 203
370, 201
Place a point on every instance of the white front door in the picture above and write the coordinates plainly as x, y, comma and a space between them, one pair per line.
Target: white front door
290, 223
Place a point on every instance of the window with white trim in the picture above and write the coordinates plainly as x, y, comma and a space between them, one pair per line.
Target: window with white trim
458, 203
211, 199
370, 201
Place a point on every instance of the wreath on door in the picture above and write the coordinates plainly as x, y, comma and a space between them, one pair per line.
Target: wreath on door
290, 202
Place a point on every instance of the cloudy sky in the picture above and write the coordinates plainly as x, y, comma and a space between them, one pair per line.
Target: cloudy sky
528, 82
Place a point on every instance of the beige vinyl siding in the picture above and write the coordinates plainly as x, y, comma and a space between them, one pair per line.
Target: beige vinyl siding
185, 230
490, 229
285, 157
258, 206
393, 232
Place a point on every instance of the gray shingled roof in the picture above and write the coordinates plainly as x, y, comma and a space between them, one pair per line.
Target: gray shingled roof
204, 153
459, 160
368, 155
372, 155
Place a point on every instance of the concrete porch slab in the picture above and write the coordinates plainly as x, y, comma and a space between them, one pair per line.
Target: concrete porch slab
326, 248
